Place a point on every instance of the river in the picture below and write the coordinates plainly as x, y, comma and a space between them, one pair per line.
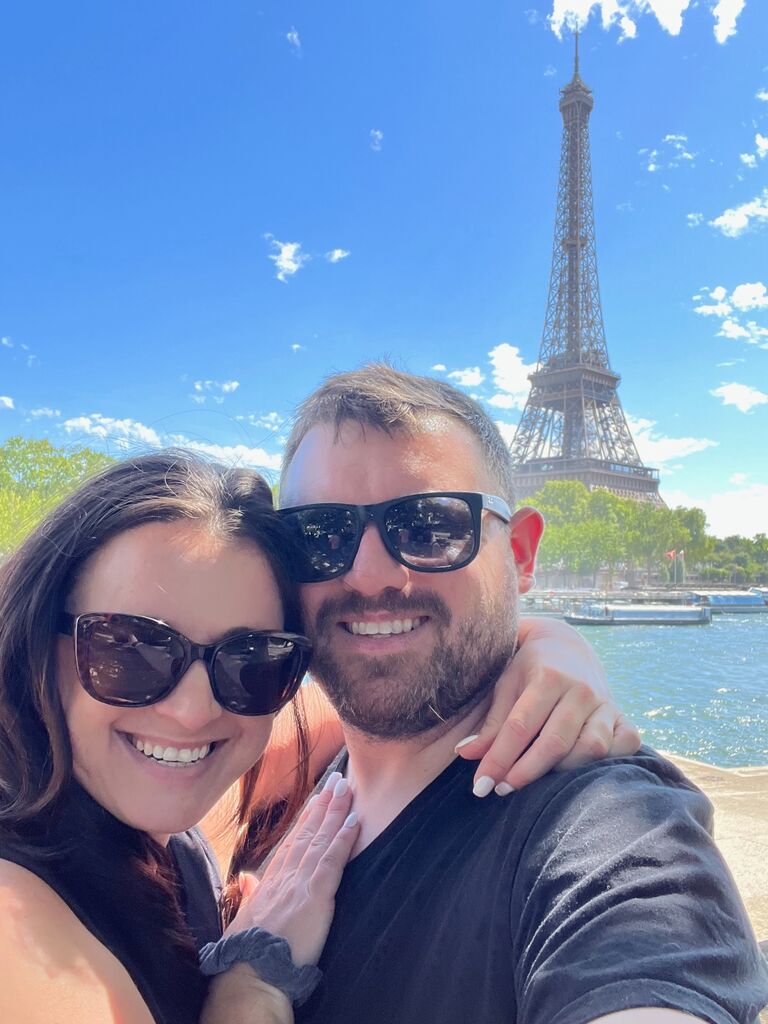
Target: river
699, 691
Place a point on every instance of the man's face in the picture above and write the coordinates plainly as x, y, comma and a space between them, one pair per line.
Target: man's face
446, 636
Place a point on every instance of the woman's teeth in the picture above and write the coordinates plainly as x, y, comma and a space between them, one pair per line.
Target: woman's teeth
173, 757
385, 628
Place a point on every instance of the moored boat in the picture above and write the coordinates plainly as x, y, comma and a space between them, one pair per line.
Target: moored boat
601, 614
740, 602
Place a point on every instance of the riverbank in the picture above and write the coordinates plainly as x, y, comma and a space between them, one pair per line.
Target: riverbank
740, 798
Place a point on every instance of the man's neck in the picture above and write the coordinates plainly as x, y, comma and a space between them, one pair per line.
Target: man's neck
386, 775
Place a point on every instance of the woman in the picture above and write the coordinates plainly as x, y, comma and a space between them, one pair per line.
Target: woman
149, 632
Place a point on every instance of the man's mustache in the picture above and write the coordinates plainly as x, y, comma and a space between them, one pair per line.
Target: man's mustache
391, 601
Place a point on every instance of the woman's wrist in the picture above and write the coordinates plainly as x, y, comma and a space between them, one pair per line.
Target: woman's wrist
269, 957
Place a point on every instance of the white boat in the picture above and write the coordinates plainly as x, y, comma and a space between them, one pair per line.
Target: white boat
601, 614
742, 602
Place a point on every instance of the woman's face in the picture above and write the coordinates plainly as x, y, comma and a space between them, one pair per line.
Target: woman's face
204, 588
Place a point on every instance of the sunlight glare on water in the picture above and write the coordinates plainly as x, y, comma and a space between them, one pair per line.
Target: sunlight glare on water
699, 691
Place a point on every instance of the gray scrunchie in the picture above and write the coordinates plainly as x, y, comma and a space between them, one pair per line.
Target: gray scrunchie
268, 955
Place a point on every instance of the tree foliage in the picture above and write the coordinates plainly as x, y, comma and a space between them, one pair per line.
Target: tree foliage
35, 476
589, 531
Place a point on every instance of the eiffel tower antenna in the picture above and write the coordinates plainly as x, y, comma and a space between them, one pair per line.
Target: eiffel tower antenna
573, 426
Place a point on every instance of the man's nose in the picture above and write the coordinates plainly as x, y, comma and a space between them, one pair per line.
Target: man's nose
374, 569
191, 703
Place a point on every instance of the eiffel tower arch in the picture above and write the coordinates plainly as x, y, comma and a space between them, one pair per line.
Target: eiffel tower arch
573, 426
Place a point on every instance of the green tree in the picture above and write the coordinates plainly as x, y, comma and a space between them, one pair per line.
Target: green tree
35, 476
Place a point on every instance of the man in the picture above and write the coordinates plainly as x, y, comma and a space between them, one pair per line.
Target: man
581, 897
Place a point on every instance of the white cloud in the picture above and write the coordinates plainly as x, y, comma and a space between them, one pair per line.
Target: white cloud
213, 389
732, 329
694, 219
762, 94
761, 141
738, 478
6, 342
510, 377
377, 138
742, 396
719, 293
532, 16
741, 511
6, 402
294, 40
337, 255
735, 221
232, 455
298, 348
549, 71
502, 401
750, 296
623, 15
719, 309
656, 449
266, 421
45, 413
107, 428
471, 377
288, 259
749, 159
439, 367
725, 13
625, 207
507, 431
126, 434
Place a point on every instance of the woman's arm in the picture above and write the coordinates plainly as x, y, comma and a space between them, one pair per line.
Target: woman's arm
53, 971
552, 708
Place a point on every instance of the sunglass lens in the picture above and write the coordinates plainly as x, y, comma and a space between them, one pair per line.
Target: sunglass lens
327, 539
432, 532
127, 660
257, 675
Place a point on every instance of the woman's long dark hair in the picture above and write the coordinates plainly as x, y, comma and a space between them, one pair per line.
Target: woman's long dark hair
35, 751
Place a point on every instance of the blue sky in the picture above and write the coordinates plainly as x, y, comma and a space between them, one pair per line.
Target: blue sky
206, 208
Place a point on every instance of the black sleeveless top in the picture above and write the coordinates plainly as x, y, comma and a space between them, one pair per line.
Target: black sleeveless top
84, 854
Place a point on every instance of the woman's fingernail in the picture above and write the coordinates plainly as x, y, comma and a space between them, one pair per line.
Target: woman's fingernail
504, 789
351, 820
341, 787
483, 786
333, 778
465, 741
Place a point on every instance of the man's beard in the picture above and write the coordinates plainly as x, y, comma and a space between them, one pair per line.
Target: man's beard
402, 695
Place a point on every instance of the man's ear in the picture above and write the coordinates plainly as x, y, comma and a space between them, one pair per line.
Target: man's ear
527, 527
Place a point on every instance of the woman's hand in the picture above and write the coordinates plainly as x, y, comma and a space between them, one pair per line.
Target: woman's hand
294, 896
551, 709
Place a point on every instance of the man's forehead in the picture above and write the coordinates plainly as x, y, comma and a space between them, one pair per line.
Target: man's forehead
358, 463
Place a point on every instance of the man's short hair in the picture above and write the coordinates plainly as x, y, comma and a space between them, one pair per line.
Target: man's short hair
380, 396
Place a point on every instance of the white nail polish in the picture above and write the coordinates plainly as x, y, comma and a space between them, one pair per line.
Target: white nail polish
483, 786
351, 820
504, 789
465, 741
332, 779
341, 787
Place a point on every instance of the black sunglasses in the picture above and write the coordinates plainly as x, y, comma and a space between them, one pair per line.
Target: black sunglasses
435, 532
134, 661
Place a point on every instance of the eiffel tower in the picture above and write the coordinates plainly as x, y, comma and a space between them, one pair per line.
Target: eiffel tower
573, 426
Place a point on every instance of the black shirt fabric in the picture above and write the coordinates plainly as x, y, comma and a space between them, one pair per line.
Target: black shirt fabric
85, 855
586, 893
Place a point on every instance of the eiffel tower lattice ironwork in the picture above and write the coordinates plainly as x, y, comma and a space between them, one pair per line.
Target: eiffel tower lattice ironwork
573, 426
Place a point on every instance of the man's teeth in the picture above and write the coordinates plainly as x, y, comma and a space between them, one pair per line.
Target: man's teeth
171, 756
385, 628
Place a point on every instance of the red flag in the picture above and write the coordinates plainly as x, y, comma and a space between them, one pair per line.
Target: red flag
670, 554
